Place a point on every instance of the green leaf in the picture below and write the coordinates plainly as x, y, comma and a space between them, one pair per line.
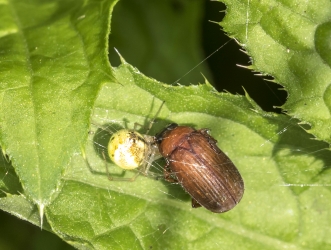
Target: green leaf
289, 40
279, 208
21, 207
166, 35
287, 196
9, 183
48, 85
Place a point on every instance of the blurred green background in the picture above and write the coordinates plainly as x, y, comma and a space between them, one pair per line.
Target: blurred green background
141, 32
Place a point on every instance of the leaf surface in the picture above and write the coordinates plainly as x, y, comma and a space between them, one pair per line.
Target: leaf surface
53, 86
289, 40
48, 85
277, 159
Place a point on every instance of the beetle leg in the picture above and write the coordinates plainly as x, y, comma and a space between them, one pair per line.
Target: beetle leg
168, 176
195, 204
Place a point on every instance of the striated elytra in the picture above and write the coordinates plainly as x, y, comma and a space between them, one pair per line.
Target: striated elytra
194, 160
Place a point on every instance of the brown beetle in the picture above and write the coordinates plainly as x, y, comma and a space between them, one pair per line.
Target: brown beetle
204, 171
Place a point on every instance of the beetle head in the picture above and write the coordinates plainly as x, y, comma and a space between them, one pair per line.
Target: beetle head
160, 136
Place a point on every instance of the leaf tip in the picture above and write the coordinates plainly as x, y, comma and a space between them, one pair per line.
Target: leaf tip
245, 67
41, 207
256, 107
121, 58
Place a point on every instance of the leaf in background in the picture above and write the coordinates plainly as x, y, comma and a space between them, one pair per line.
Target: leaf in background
270, 151
290, 41
9, 182
161, 31
12, 199
51, 68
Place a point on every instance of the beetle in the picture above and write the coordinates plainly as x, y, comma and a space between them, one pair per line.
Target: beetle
194, 160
